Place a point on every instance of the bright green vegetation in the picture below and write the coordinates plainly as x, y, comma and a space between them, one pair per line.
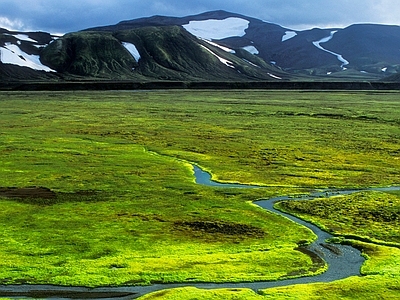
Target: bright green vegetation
370, 215
382, 282
124, 225
374, 215
273, 138
192, 293
123, 215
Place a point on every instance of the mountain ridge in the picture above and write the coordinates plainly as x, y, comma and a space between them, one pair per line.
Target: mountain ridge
215, 45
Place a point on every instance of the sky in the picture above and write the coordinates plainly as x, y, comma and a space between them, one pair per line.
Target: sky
62, 16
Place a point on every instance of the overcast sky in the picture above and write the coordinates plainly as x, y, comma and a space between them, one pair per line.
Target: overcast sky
61, 16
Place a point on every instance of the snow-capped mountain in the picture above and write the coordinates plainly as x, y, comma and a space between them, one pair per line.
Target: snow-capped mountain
20, 54
13, 53
212, 46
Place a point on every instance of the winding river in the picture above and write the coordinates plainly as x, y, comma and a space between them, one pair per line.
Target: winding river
343, 261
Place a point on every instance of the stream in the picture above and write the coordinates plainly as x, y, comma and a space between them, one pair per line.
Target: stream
343, 260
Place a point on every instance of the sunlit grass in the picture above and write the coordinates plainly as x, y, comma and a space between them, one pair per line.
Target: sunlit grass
194, 293
117, 215
372, 215
381, 281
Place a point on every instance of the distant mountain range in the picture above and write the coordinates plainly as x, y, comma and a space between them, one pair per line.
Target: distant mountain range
213, 46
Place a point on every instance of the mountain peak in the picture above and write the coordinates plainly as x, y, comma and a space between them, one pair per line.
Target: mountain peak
215, 14
159, 20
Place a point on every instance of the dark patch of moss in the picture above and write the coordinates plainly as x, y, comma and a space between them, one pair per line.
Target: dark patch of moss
219, 227
29, 192
45, 196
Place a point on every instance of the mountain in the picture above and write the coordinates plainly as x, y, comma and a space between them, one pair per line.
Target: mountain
213, 46
20, 55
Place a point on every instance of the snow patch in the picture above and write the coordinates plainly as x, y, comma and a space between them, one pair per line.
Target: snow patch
339, 57
223, 60
251, 49
132, 50
22, 37
288, 35
324, 40
274, 76
218, 29
226, 49
249, 62
12, 54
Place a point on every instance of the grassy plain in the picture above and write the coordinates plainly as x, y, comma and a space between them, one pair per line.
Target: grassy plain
372, 215
123, 215
381, 280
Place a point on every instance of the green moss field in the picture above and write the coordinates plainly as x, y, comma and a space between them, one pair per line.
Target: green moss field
97, 188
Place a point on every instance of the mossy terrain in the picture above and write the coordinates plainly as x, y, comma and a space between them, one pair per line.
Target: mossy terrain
367, 215
373, 215
116, 213
79, 54
194, 293
381, 281
381, 271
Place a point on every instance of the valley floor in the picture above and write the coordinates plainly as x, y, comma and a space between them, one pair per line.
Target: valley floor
119, 214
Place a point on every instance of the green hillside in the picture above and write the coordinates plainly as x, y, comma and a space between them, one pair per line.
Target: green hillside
166, 53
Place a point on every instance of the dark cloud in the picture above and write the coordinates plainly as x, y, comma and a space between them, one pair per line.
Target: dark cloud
67, 15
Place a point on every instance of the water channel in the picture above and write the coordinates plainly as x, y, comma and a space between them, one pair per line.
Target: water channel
343, 260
